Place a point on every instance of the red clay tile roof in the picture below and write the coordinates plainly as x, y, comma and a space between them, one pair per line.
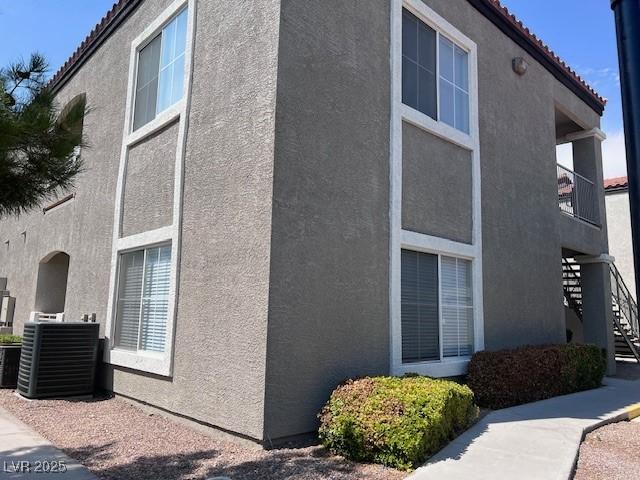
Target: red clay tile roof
544, 48
122, 8
99, 34
616, 183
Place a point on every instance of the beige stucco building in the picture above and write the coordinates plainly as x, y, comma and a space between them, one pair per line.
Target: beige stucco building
281, 194
619, 220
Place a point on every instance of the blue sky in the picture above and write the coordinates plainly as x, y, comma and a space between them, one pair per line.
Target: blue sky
582, 32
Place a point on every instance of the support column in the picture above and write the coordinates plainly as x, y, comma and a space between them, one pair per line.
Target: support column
587, 161
597, 310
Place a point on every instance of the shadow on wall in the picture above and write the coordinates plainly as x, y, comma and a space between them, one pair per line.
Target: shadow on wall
574, 325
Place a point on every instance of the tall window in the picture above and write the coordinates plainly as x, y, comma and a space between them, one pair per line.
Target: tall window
160, 78
143, 299
435, 71
436, 307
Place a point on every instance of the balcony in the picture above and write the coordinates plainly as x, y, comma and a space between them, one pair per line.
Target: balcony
577, 196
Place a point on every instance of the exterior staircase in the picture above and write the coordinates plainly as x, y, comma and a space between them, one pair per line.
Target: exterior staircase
625, 309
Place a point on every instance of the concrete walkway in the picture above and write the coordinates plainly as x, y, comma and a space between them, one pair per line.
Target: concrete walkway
23, 451
537, 441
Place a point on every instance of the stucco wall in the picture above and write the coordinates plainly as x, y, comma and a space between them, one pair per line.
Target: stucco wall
148, 183
283, 284
520, 218
328, 303
219, 356
436, 186
620, 246
82, 227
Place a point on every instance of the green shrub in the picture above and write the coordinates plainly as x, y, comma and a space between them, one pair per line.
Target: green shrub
5, 338
395, 421
513, 377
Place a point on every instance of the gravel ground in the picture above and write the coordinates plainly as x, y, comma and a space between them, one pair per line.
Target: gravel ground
610, 453
116, 440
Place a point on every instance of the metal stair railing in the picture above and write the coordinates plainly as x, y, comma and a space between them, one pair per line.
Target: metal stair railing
626, 316
572, 287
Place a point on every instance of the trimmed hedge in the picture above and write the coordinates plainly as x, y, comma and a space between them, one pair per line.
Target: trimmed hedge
528, 374
7, 339
395, 421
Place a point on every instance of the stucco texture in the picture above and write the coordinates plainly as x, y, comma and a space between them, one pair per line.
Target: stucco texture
522, 228
148, 183
620, 246
328, 302
436, 186
220, 339
284, 263
83, 227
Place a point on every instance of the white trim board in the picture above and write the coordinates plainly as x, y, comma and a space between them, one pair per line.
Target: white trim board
160, 364
400, 238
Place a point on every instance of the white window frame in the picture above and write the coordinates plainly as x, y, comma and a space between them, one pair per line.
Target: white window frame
402, 114
433, 21
152, 362
453, 361
144, 251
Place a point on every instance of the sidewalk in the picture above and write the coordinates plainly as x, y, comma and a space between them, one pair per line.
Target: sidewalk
537, 441
22, 451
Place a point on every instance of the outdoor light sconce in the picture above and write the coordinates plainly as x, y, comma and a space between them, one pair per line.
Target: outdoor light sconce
520, 65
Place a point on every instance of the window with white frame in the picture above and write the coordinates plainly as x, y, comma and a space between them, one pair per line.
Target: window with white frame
160, 76
143, 299
435, 73
436, 307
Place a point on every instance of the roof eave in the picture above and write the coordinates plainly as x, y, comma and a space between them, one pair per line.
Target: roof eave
101, 32
533, 46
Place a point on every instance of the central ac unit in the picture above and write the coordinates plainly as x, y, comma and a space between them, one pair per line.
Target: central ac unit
58, 359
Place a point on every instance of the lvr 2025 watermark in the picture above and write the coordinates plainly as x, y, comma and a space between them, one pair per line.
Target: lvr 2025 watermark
38, 466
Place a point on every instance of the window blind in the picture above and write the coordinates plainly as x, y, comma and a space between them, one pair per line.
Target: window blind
129, 297
143, 299
419, 65
419, 307
457, 307
155, 299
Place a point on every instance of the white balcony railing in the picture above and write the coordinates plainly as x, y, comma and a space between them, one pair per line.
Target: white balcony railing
577, 196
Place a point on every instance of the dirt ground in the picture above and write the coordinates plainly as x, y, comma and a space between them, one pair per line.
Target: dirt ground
119, 441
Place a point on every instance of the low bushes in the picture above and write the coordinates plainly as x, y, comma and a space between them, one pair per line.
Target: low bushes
395, 421
512, 377
7, 339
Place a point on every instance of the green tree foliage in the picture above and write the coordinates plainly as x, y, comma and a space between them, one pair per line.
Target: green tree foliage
38, 141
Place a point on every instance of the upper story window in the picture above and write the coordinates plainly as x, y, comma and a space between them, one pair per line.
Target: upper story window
160, 77
435, 74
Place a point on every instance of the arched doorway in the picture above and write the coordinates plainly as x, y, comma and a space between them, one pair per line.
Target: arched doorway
51, 289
